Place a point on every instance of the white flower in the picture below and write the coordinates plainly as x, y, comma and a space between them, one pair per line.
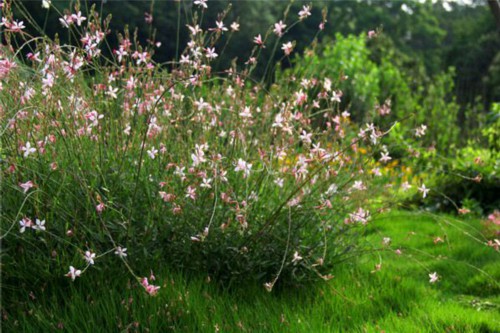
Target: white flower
152, 153
78, 18
201, 3
121, 252
385, 157
28, 149
210, 53
206, 183
73, 273
327, 84
246, 113
243, 166
279, 182
89, 257
336, 96
306, 137
40, 225
405, 186
420, 131
296, 257
433, 277
361, 215
358, 185
112, 92
424, 190
332, 189
235, 26
46, 4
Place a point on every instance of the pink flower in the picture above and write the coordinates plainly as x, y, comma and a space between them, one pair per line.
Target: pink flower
438, 240
278, 28
17, 26
25, 223
463, 211
26, 186
78, 18
73, 273
191, 192
145, 282
258, 40
305, 12
300, 97
148, 18
494, 244
494, 217
66, 20
150, 289
287, 48
5, 67
372, 34
100, 207
433, 277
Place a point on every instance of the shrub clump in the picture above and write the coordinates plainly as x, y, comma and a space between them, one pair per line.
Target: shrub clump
209, 172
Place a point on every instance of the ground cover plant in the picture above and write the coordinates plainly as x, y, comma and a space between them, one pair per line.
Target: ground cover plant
114, 165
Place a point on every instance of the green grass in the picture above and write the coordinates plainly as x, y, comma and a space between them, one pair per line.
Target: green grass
398, 298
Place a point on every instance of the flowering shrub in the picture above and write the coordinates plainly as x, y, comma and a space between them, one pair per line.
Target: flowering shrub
206, 171
380, 85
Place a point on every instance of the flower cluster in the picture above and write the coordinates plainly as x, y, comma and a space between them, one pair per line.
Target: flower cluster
141, 152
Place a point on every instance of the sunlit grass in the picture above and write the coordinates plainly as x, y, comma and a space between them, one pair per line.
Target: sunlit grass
397, 298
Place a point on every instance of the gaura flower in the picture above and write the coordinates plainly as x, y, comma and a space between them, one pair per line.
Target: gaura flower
89, 257
73, 273
121, 252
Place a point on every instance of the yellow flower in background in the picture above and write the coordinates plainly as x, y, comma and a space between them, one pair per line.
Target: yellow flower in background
393, 164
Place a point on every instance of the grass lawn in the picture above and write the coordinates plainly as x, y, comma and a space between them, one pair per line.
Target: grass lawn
396, 298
